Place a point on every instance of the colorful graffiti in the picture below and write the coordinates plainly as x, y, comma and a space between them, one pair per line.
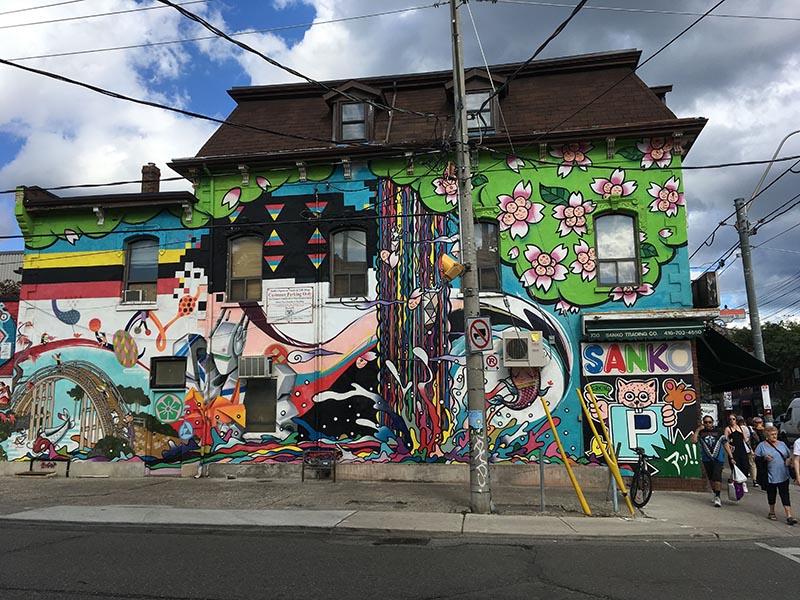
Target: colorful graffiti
380, 375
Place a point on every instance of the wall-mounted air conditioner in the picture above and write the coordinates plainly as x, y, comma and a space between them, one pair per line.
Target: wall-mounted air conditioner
133, 296
255, 366
523, 349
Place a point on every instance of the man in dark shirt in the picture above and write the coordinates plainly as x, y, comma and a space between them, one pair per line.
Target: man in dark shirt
714, 446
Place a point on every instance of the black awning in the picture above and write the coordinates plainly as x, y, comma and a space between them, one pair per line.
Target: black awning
725, 366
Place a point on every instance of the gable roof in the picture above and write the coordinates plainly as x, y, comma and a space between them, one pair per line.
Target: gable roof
554, 100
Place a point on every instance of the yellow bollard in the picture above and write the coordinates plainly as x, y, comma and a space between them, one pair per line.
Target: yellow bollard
587, 511
612, 462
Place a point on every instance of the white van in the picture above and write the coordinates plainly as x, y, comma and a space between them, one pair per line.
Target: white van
791, 421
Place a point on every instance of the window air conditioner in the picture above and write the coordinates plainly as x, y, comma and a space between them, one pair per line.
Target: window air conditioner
255, 366
523, 349
133, 296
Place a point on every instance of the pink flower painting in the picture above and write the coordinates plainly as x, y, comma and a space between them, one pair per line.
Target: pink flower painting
615, 187
545, 268
573, 215
585, 263
667, 198
657, 151
517, 212
447, 186
563, 308
572, 155
514, 163
630, 294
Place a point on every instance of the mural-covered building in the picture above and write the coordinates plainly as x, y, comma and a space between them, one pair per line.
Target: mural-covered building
297, 298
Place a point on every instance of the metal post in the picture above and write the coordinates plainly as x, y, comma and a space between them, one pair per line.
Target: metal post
743, 225
755, 322
541, 476
479, 483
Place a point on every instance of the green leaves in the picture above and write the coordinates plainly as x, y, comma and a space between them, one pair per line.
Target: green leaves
648, 250
479, 179
554, 195
631, 153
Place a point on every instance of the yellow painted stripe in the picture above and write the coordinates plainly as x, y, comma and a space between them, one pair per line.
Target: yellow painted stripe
100, 258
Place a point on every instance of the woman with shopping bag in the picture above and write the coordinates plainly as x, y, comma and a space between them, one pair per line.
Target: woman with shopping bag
777, 455
735, 436
737, 484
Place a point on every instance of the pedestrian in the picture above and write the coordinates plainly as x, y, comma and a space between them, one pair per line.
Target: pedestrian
761, 465
735, 436
777, 456
714, 446
796, 452
751, 457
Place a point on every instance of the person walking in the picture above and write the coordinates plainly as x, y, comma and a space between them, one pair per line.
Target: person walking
749, 435
736, 438
713, 446
777, 456
761, 465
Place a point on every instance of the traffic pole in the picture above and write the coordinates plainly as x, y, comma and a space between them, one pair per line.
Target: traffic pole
479, 477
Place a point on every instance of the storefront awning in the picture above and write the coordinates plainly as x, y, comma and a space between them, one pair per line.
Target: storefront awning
725, 366
631, 326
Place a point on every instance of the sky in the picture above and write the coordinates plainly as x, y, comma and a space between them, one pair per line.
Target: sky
737, 67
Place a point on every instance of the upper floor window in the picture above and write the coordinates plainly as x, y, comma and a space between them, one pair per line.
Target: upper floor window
141, 270
479, 111
354, 121
487, 257
245, 268
616, 236
349, 263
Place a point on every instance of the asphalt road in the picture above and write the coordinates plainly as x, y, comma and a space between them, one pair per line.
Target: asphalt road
67, 562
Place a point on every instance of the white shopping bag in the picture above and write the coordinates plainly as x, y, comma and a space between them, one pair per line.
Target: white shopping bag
737, 475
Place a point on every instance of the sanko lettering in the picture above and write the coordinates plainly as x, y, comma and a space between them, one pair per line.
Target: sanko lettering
627, 358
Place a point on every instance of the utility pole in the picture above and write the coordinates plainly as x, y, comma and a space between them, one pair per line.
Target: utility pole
479, 482
743, 226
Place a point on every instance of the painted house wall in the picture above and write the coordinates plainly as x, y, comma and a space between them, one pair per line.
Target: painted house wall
381, 376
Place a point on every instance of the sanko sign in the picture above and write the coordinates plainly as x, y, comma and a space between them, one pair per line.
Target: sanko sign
614, 331
637, 358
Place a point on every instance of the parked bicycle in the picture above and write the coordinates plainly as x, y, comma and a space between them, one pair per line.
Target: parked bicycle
642, 482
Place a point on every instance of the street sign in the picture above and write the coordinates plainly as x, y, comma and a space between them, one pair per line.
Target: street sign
479, 334
491, 362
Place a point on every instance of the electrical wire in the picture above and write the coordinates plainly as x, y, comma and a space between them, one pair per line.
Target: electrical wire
19, 10
96, 15
240, 34
188, 113
576, 9
218, 32
643, 10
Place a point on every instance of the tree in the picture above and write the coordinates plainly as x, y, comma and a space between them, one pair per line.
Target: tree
781, 350
77, 393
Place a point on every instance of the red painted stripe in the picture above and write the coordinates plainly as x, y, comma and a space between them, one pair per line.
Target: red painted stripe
86, 289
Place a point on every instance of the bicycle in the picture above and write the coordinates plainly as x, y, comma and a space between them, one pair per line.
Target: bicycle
642, 482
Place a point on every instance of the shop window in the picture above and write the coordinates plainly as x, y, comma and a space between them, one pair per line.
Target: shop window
349, 263
616, 239
245, 268
141, 270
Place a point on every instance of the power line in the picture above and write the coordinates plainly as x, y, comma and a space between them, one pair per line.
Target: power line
94, 16
240, 34
644, 10
188, 113
218, 32
19, 10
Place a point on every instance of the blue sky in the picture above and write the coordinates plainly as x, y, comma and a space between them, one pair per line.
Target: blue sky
737, 68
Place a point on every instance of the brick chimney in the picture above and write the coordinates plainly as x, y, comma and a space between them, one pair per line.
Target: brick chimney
151, 177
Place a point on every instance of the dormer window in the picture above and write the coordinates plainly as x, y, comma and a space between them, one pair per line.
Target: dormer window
353, 108
354, 121
479, 111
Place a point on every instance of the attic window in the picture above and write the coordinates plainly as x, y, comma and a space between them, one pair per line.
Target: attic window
354, 122
477, 117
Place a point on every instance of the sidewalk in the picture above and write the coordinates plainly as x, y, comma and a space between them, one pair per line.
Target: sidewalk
396, 507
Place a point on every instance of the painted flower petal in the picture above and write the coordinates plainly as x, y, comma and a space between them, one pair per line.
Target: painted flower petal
532, 252
665, 233
263, 183
514, 163
231, 197
522, 190
598, 184
559, 253
513, 253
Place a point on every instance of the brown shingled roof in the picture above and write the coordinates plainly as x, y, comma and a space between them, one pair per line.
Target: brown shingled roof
539, 106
